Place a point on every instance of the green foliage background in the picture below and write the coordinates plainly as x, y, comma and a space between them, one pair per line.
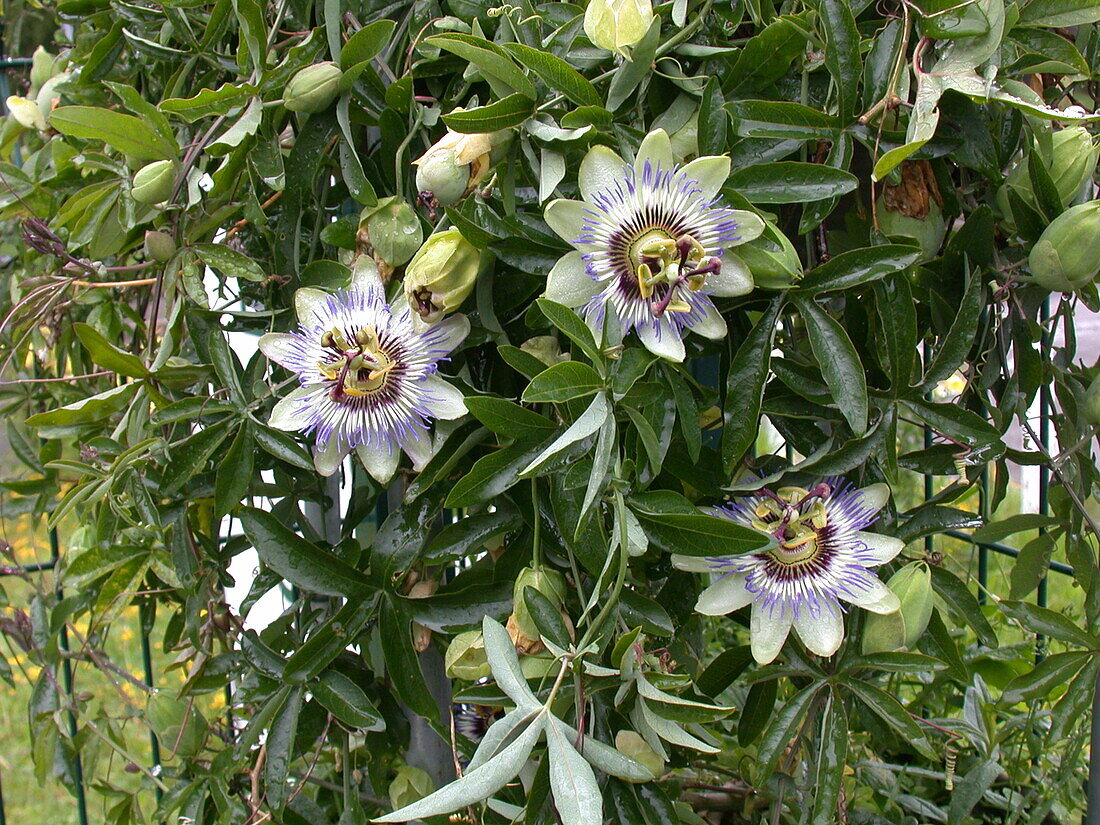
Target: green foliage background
137, 430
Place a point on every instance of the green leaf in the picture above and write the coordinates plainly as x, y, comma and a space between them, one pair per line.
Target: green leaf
1047, 622
209, 102
547, 617
280, 749
491, 475
107, 355
329, 640
283, 447
365, 44
858, 266
511, 111
677, 526
346, 701
563, 382
1052, 673
971, 788
124, 133
509, 419
782, 730
630, 74
501, 653
1002, 529
780, 120
894, 714
1060, 14
570, 323
832, 757
713, 119
842, 54
724, 670
963, 604
86, 410
234, 474
956, 422
576, 793
748, 373
758, 709
467, 535
586, 424
299, 561
840, 365
557, 74
190, 456
229, 262
791, 181
402, 664
490, 58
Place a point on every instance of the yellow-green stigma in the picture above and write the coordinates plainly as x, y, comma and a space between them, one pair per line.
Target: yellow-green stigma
360, 368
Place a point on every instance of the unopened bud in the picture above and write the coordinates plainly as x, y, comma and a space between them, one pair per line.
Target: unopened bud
465, 657
455, 164
617, 25
43, 66
26, 113
912, 584
154, 181
410, 785
441, 275
1067, 255
633, 745
549, 583
313, 88
159, 246
1070, 162
393, 230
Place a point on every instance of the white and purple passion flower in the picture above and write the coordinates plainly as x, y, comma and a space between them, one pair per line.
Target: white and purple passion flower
649, 240
821, 557
369, 379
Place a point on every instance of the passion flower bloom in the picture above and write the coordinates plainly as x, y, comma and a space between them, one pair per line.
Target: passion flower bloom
369, 379
649, 240
821, 557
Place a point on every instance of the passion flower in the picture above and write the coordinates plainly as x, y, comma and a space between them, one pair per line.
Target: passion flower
821, 557
650, 239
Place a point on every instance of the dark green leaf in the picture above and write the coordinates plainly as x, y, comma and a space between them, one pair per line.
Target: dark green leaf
557, 74
745, 388
791, 182
676, 526
563, 382
511, 111
839, 363
858, 266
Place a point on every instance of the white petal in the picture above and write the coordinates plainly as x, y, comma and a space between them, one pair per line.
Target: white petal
306, 301
768, 631
750, 226
600, 169
711, 173
712, 325
569, 282
328, 457
668, 345
446, 402
566, 217
822, 633
878, 598
883, 548
418, 445
282, 348
380, 460
691, 564
724, 596
364, 274
733, 279
657, 149
283, 416
449, 333
873, 496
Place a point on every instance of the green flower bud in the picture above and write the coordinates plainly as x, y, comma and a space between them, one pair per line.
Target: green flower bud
159, 246
546, 348
313, 88
633, 745
410, 784
153, 182
771, 258
549, 583
617, 25
26, 113
441, 275
455, 164
393, 229
910, 210
43, 66
465, 657
178, 722
1070, 160
1067, 255
1090, 404
901, 630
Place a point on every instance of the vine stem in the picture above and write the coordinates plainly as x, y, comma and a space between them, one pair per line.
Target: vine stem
612, 599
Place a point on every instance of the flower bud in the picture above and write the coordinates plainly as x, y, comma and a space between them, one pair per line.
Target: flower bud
617, 25
771, 258
455, 164
43, 66
1090, 404
177, 721
313, 88
910, 210
549, 583
546, 348
410, 784
26, 113
1070, 161
465, 657
633, 745
913, 586
1067, 255
393, 230
153, 182
441, 275
159, 246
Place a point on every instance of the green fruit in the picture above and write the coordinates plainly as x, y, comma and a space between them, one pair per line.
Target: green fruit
159, 246
154, 181
927, 232
630, 743
313, 88
1067, 255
